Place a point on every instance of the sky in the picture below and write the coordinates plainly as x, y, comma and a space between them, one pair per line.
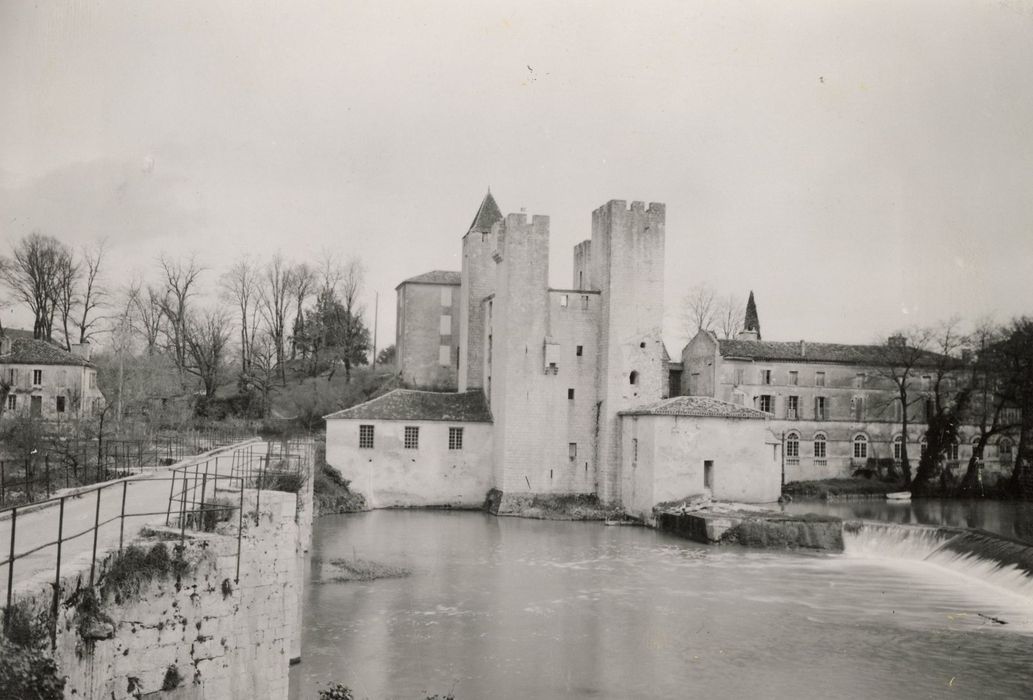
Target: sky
861, 166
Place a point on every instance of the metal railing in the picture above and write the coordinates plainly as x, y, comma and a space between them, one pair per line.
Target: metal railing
192, 504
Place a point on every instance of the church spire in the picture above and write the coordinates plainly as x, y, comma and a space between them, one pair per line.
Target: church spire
487, 214
752, 321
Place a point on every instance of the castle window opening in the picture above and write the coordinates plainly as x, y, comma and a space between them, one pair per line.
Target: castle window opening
365, 437
570, 394
580, 350
633, 378
572, 451
455, 438
563, 300
584, 302
412, 437
708, 474
642, 345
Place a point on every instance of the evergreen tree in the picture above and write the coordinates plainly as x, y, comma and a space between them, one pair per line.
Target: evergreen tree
752, 322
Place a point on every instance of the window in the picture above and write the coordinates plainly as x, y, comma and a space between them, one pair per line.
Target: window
60, 404
1004, 448
633, 378
445, 325
765, 403
927, 382
857, 408
898, 448
446, 296
444, 355
455, 438
572, 451
563, 301
708, 474
37, 377
792, 407
634, 449
793, 448
580, 350
12, 402
794, 377
859, 380
819, 446
952, 452
412, 437
739, 375
819, 408
570, 394
819, 379
365, 437
765, 376
860, 446
12, 376
584, 302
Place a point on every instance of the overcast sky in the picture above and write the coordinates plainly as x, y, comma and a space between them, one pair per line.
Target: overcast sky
862, 166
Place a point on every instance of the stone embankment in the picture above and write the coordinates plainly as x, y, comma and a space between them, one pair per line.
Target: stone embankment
208, 627
735, 523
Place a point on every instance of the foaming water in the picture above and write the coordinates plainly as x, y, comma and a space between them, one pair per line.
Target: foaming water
987, 560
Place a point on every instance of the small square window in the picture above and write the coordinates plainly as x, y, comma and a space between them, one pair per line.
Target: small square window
580, 350
412, 437
455, 438
570, 393
365, 437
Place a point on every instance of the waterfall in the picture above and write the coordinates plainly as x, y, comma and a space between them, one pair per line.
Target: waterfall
990, 558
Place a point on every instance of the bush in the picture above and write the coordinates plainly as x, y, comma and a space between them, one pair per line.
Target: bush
24, 627
336, 691
29, 674
136, 565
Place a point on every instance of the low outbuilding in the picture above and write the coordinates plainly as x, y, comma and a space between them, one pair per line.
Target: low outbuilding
415, 448
696, 445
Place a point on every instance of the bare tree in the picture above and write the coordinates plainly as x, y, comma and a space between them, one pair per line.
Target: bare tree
729, 313
122, 332
304, 286
66, 284
179, 277
93, 294
700, 309
31, 274
207, 339
149, 319
276, 292
1016, 353
240, 285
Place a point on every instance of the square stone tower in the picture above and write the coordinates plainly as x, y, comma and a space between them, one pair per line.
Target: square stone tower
477, 282
627, 261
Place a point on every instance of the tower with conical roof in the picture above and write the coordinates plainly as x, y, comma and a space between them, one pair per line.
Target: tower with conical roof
752, 321
477, 282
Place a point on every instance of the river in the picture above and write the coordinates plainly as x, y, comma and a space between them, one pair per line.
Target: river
513, 608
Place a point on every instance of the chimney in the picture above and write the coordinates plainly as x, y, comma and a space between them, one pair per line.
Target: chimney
896, 341
803, 348
747, 335
81, 350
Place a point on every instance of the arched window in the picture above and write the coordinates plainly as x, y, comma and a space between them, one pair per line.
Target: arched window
793, 448
860, 446
1004, 450
633, 378
898, 447
819, 445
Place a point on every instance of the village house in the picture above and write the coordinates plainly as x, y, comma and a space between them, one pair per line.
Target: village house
40, 379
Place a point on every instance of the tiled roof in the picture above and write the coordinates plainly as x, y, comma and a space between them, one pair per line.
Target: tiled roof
434, 277
487, 214
26, 351
805, 351
409, 404
697, 406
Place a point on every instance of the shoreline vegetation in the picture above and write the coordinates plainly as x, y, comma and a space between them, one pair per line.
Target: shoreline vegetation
858, 487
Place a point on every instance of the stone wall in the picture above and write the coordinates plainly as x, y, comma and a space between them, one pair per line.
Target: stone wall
204, 635
426, 323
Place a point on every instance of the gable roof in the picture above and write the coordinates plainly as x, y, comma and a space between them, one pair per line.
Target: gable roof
696, 406
435, 277
26, 351
487, 215
410, 404
805, 351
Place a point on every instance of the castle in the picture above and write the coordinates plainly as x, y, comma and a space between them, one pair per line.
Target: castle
571, 381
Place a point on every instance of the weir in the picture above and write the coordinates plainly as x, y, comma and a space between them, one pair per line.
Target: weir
991, 558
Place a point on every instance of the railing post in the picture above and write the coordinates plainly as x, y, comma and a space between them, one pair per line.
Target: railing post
46, 471
122, 517
57, 573
183, 513
3, 483
172, 490
10, 569
240, 530
96, 527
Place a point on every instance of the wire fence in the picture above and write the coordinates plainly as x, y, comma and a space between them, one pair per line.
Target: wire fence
60, 463
201, 495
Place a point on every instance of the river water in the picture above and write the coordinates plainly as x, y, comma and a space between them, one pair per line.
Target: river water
513, 608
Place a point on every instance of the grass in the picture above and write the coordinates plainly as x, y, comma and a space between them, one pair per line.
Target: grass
827, 488
330, 489
136, 565
365, 570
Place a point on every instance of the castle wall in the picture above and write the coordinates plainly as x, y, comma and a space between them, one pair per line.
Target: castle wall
628, 267
583, 266
428, 319
478, 281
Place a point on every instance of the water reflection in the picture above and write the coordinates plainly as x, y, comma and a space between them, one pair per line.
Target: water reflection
1008, 518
